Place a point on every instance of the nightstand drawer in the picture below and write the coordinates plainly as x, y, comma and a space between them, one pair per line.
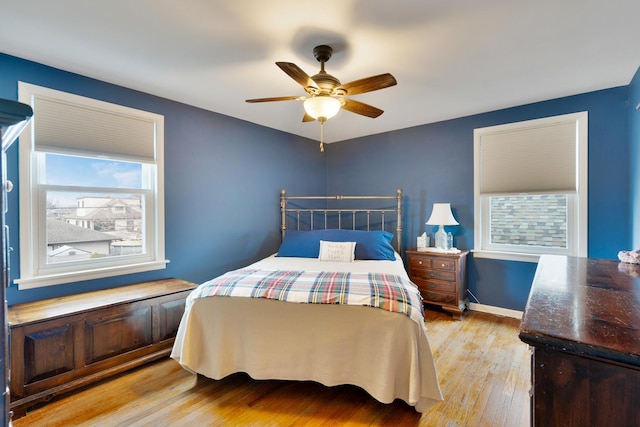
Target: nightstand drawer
435, 285
418, 262
439, 297
436, 264
443, 264
424, 274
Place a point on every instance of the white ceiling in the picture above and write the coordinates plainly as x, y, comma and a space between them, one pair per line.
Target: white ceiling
451, 58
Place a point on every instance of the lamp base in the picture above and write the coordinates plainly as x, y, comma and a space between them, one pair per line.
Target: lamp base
441, 239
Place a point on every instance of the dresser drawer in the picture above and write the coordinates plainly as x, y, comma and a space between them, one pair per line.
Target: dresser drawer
419, 262
440, 297
432, 263
435, 285
426, 274
443, 264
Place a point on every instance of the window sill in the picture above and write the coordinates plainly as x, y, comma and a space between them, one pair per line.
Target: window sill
505, 256
58, 279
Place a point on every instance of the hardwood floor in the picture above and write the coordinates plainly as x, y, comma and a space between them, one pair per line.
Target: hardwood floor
484, 372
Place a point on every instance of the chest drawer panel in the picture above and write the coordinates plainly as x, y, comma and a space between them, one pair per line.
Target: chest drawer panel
435, 285
443, 264
440, 297
433, 263
425, 274
418, 262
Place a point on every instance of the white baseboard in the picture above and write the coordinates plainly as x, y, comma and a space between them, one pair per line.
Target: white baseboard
499, 311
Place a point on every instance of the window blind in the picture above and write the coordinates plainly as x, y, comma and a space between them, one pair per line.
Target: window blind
530, 160
78, 125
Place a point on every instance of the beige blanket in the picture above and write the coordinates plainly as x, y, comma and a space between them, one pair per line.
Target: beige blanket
387, 354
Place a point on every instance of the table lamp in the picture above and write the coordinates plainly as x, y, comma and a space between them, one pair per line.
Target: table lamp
441, 215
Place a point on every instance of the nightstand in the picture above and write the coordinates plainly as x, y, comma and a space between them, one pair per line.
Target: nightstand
441, 278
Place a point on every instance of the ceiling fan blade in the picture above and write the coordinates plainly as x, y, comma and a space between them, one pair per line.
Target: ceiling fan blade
297, 74
368, 84
278, 98
361, 108
307, 118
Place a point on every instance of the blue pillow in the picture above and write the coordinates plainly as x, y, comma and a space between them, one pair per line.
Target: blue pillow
370, 245
301, 244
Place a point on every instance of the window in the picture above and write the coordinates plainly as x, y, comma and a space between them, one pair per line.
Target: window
530, 188
91, 190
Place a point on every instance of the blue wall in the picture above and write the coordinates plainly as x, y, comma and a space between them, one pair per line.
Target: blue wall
434, 163
634, 137
223, 178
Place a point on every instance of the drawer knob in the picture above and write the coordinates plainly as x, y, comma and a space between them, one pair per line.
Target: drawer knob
431, 285
442, 265
420, 262
432, 274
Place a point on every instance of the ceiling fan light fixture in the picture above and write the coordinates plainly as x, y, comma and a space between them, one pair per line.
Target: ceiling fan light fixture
322, 107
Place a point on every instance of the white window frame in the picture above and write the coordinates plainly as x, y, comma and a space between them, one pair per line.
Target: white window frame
34, 271
577, 205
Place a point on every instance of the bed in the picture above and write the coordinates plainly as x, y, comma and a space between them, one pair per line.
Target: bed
334, 306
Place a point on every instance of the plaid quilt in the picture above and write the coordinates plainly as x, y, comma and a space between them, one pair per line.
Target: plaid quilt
386, 291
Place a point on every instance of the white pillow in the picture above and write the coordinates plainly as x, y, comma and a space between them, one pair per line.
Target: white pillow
337, 251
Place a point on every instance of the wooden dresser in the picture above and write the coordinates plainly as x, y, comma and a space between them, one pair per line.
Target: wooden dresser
60, 344
441, 278
582, 320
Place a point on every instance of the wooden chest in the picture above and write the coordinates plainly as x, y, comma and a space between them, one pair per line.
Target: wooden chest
64, 343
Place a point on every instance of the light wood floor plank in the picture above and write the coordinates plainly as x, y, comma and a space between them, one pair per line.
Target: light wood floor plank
482, 365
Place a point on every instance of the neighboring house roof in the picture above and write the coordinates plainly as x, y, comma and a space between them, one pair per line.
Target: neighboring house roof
63, 232
66, 248
106, 212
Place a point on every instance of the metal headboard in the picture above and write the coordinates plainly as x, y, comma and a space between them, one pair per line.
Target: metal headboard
361, 218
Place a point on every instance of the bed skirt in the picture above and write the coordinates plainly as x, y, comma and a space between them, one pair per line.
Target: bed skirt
386, 354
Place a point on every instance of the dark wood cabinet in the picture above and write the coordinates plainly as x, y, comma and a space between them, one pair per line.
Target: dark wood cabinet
61, 344
581, 321
441, 278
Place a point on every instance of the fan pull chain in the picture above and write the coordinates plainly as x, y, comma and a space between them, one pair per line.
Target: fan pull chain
321, 136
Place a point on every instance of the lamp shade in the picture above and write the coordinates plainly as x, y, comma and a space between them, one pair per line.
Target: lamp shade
322, 107
441, 215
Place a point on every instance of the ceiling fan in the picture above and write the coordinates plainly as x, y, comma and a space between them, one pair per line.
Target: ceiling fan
326, 95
